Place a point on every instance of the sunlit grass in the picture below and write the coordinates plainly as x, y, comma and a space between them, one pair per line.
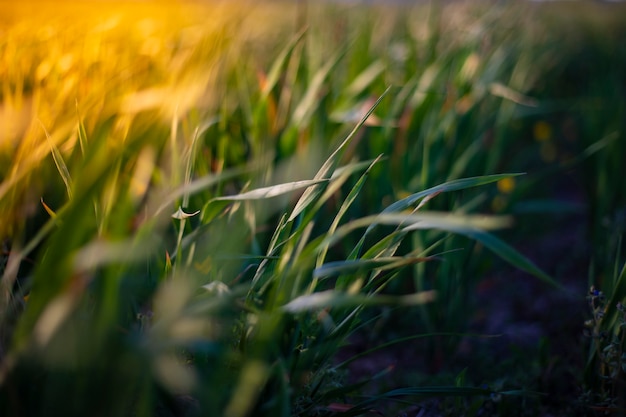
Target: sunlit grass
70, 69
192, 206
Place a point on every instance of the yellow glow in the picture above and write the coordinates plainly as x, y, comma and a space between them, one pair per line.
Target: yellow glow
542, 131
506, 185
136, 63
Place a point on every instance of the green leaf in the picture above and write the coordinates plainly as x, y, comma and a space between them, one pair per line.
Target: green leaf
454, 185
337, 299
421, 220
271, 191
469, 226
362, 265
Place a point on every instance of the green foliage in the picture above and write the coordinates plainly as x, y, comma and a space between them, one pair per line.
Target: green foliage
177, 237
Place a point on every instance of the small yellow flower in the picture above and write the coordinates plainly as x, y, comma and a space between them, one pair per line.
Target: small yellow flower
542, 131
506, 185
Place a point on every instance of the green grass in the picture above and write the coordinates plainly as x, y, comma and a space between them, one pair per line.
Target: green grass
201, 205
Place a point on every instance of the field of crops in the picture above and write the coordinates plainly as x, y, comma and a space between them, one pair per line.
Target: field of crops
301, 209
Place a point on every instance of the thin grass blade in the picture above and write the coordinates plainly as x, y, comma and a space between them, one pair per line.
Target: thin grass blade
59, 162
329, 165
354, 192
363, 265
271, 191
305, 109
337, 299
277, 67
503, 250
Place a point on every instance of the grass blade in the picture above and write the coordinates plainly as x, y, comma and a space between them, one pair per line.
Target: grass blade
354, 192
363, 265
502, 249
454, 185
328, 167
59, 162
271, 191
277, 67
337, 299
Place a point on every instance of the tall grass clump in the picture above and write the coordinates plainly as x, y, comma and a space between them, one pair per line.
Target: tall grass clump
201, 205
329, 74
168, 277
128, 318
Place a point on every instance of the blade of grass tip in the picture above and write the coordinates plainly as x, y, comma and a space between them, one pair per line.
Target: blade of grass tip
454, 185
449, 222
82, 132
59, 162
271, 191
352, 168
338, 179
51, 212
42, 233
347, 202
280, 62
191, 155
590, 150
201, 184
354, 254
311, 193
387, 246
507, 93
